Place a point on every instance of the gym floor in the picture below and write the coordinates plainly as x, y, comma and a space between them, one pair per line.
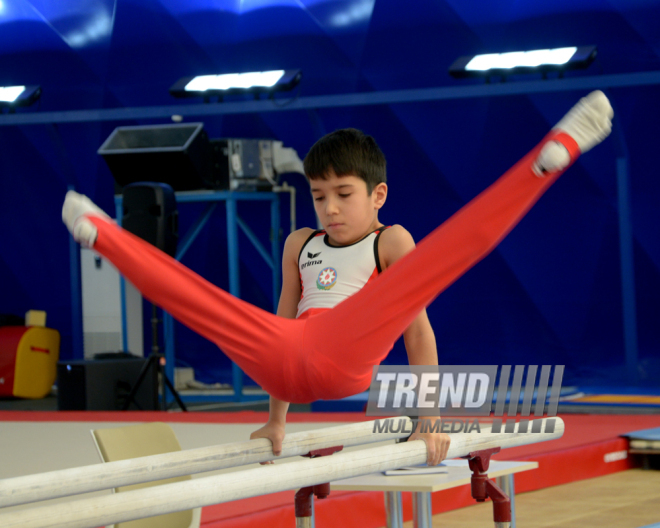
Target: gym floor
628, 499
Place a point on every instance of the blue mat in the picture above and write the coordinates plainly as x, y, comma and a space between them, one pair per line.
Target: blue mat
645, 434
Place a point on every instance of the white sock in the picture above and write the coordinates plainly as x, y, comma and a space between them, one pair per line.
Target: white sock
85, 233
553, 157
589, 122
73, 211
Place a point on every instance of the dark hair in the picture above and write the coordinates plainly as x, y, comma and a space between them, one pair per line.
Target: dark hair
346, 152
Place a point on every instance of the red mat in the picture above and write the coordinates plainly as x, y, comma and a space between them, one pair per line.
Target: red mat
591, 447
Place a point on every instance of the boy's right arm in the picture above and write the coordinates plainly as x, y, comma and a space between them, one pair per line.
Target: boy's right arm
291, 290
287, 307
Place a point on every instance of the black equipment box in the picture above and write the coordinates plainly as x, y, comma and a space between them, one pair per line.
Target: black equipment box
104, 385
179, 155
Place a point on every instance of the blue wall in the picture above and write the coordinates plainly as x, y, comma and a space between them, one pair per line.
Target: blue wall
551, 293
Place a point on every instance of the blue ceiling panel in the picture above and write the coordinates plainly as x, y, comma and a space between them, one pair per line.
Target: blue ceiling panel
84, 24
422, 47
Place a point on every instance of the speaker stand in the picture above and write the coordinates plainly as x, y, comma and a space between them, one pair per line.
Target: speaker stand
155, 361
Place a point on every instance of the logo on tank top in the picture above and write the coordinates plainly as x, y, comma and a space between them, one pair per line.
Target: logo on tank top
312, 262
326, 279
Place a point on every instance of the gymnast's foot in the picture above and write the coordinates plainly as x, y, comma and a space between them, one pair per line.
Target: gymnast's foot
76, 207
589, 122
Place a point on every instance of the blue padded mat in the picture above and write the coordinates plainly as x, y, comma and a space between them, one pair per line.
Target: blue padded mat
645, 434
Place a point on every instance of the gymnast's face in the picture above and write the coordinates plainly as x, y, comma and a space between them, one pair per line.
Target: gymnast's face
346, 211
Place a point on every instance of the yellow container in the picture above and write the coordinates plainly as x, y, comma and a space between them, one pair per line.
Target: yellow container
28, 360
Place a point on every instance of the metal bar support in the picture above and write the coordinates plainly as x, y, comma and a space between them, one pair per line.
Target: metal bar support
255, 242
119, 215
234, 281
304, 498
506, 484
194, 230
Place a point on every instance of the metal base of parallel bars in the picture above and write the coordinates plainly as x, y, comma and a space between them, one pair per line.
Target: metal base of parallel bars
304, 498
506, 483
483, 488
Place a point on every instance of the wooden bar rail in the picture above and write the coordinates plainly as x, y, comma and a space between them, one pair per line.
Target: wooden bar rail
93, 512
54, 484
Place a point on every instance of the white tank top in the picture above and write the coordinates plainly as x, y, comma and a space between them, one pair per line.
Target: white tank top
330, 274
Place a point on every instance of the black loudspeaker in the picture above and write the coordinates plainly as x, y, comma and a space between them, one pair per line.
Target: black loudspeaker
104, 385
150, 213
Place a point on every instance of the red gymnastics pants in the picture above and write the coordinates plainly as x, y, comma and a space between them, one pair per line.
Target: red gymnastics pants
331, 354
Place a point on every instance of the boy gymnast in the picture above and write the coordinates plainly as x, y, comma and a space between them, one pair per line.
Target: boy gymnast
324, 340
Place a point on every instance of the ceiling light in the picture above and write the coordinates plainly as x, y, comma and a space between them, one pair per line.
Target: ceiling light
12, 96
544, 60
231, 83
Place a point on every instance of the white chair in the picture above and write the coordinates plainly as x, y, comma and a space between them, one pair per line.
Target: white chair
133, 441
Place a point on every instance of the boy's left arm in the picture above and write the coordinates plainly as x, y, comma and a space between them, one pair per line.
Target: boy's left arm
419, 337
420, 345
